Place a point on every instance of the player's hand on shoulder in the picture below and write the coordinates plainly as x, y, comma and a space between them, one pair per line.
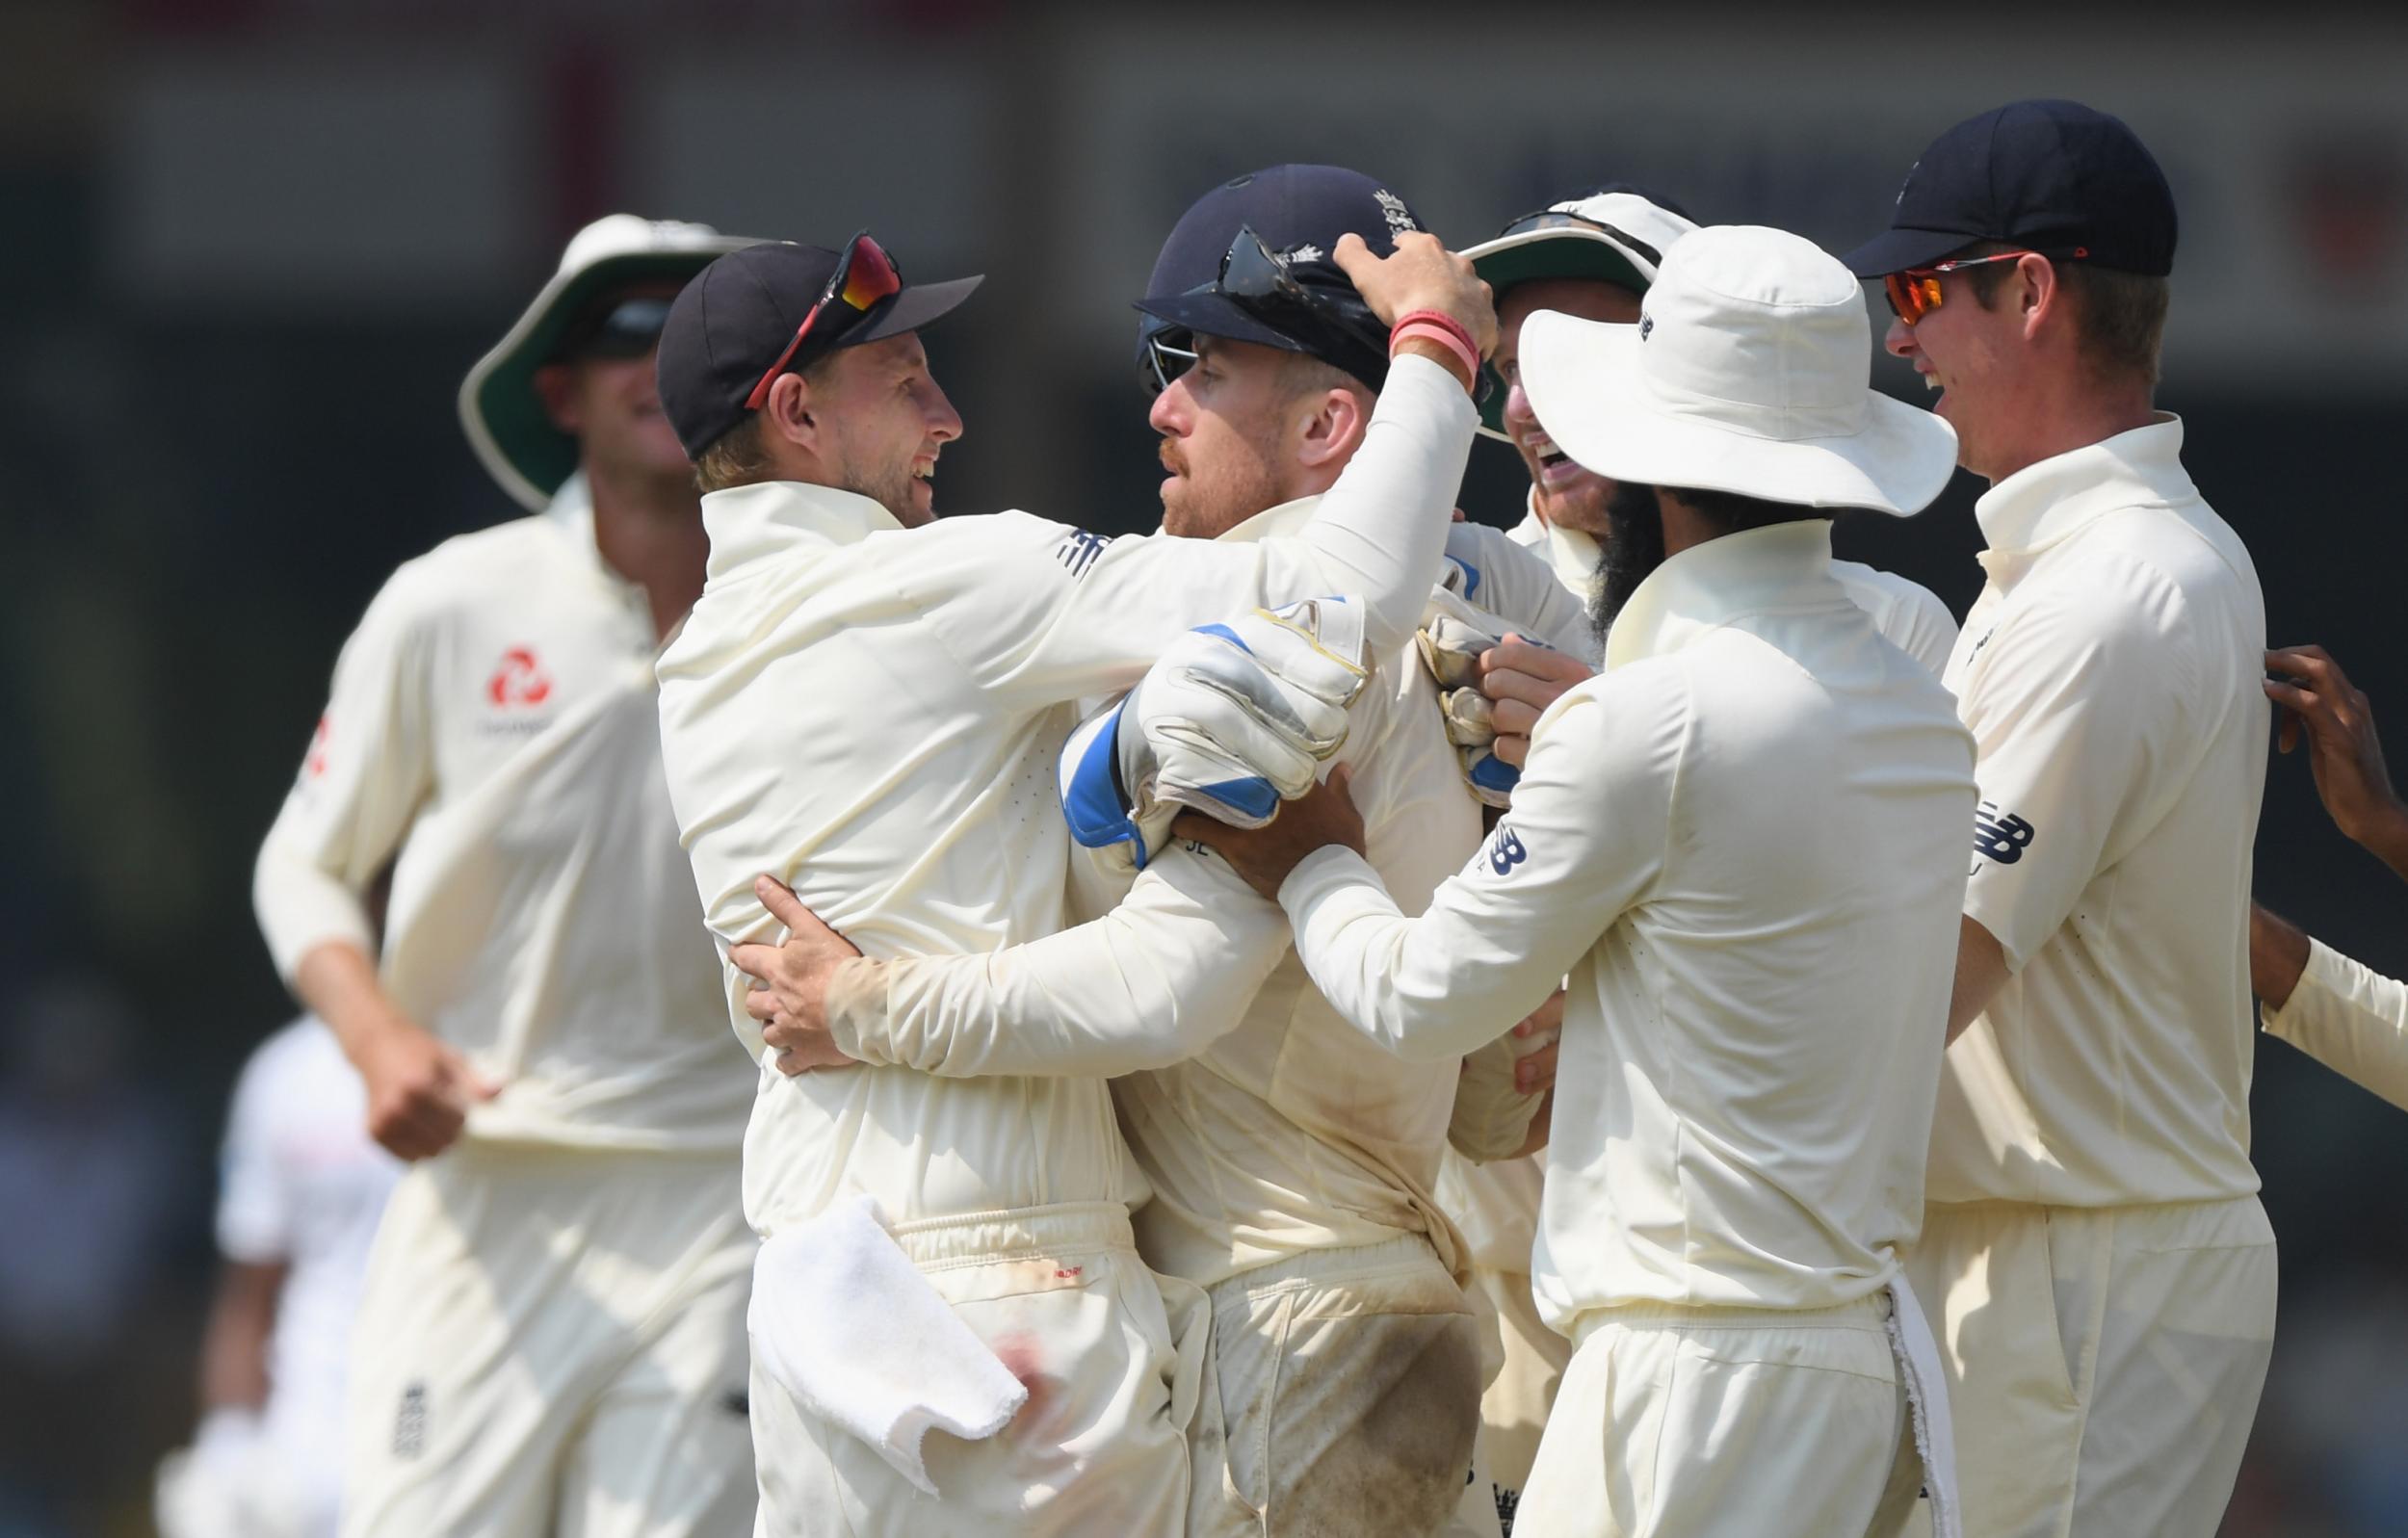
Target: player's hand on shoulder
1423, 275
1265, 855
1521, 679
790, 979
419, 1090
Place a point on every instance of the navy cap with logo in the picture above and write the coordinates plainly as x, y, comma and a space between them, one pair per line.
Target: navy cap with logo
735, 325
2054, 176
1298, 213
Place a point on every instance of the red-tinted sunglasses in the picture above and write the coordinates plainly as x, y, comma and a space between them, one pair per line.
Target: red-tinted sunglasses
1915, 293
865, 276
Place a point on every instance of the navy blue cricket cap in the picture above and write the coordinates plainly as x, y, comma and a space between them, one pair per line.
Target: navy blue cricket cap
1299, 212
730, 324
2055, 176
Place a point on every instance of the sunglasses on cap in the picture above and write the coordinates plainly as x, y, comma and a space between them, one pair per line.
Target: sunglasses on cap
1915, 292
1263, 283
629, 328
865, 276
1557, 219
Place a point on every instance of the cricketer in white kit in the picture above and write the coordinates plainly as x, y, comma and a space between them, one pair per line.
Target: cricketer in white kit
1293, 1163
869, 706
1740, 841
2094, 1254
551, 1336
1592, 256
302, 1191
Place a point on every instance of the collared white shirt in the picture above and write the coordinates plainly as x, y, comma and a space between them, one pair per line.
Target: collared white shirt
2350, 1018
1265, 1125
304, 1189
2110, 675
1744, 841
493, 721
874, 714
1570, 552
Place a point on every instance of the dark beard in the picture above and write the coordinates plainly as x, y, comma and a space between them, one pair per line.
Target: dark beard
1634, 549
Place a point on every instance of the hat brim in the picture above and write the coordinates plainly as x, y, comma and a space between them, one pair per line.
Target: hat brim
506, 425
1217, 315
1558, 251
1894, 250
1586, 385
914, 307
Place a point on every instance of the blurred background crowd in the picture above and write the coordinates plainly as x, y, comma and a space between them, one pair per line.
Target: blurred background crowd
251, 245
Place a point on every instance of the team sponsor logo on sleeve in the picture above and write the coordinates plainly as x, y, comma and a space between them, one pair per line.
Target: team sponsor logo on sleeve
1079, 549
2000, 835
314, 763
1504, 849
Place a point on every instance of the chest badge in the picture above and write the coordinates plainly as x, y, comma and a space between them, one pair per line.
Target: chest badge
519, 680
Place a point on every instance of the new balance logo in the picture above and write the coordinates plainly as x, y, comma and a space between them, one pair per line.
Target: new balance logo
1078, 551
409, 1422
2000, 836
1506, 851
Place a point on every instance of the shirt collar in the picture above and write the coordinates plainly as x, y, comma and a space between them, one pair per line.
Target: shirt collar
2044, 503
571, 512
1785, 566
752, 523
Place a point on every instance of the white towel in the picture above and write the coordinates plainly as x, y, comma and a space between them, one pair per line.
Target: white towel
1918, 1353
845, 1323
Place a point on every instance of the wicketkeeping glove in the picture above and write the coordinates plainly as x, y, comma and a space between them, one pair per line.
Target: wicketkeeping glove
1452, 636
1233, 719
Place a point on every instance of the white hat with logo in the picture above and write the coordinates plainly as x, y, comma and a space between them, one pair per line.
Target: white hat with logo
1749, 371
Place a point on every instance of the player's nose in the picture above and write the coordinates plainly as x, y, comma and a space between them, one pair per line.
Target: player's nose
1900, 340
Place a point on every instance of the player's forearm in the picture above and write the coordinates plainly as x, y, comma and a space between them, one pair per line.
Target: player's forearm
1134, 989
337, 980
1381, 528
1491, 1118
2349, 1018
1422, 994
234, 1354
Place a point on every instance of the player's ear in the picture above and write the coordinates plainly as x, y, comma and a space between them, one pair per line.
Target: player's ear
556, 389
1332, 426
788, 411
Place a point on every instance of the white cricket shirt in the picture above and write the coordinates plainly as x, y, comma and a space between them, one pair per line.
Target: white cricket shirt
1265, 1125
2110, 675
873, 716
303, 1188
2350, 1018
492, 720
1743, 841
1570, 552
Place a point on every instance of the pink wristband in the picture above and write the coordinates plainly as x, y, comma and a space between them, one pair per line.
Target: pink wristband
1440, 317
1424, 332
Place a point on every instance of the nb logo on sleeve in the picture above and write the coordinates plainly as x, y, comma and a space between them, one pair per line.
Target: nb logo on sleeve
1506, 851
2000, 836
1078, 551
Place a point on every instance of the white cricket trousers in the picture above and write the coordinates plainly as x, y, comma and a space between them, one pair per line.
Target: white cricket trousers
1526, 1359
1348, 1396
551, 1344
1710, 1423
1100, 1448
2104, 1364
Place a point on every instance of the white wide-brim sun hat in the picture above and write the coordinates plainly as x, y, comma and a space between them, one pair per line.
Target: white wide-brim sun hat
513, 437
1748, 371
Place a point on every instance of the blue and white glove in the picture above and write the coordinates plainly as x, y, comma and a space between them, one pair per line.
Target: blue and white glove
1233, 719
1452, 636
